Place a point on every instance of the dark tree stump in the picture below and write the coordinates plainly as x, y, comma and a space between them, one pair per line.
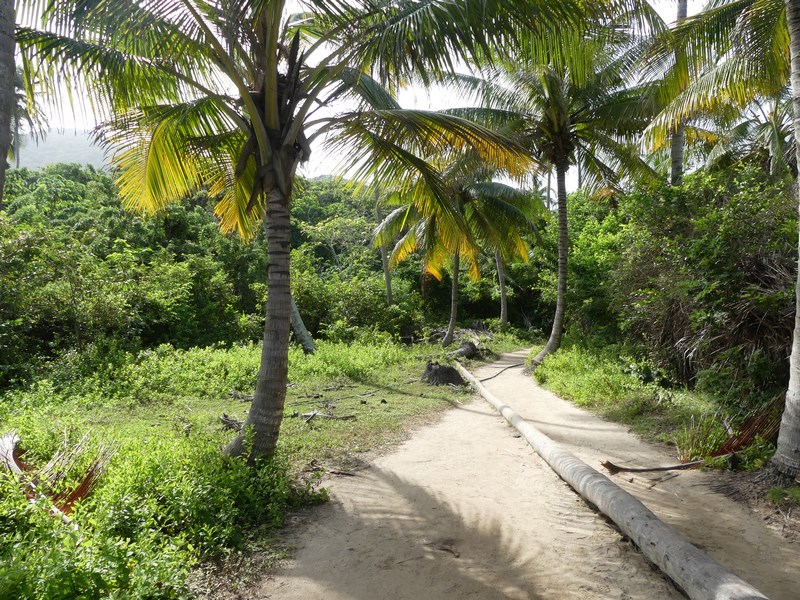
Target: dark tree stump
436, 374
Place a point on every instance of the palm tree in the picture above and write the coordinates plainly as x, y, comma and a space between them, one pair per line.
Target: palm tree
762, 131
27, 112
678, 138
7, 74
580, 114
221, 94
514, 232
745, 49
494, 217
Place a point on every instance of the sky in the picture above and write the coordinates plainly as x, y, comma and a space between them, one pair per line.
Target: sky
322, 162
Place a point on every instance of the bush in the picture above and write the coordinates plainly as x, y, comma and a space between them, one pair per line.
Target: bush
163, 503
706, 280
589, 376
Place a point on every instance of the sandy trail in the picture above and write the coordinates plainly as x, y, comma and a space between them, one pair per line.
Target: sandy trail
465, 509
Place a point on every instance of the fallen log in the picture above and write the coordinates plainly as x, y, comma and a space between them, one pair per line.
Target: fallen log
698, 575
314, 413
231, 422
467, 349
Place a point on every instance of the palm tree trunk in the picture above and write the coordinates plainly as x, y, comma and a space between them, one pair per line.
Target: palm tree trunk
387, 274
7, 90
451, 326
300, 331
17, 142
554, 342
787, 455
501, 278
549, 187
677, 142
263, 421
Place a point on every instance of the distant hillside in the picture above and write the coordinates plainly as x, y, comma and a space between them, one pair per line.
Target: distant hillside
70, 146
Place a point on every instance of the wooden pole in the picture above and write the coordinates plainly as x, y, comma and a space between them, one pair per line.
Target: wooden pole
700, 576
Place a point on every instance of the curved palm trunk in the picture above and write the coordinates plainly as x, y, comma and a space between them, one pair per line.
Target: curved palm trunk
787, 456
17, 142
387, 274
451, 326
300, 331
263, 421
554, 342
677, 142
7, 76
549, 187
501, 278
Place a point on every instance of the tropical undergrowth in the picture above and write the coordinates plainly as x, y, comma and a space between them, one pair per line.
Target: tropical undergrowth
615, 382
169, 499
679, 307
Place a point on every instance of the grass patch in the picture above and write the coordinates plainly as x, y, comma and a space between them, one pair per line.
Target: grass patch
169, 499
785, 496
601, 379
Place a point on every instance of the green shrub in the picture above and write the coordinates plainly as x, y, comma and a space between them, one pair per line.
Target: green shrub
590, 377
701, 437
163, 503
337, 360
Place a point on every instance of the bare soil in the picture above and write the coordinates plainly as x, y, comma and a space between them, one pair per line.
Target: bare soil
465, 509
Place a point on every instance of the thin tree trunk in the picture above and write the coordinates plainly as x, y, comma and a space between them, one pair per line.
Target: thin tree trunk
677, 142
549, 187
451, 326
787, 455
17, 142
7, 77
501, 278
263, 423
554, 342
387, 274
300, 331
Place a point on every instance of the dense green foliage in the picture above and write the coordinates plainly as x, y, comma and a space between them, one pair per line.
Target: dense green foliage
83, 281
697, 280
108, 314
170, 498
706, 280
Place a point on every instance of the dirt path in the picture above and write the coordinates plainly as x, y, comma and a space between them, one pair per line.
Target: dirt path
465, 509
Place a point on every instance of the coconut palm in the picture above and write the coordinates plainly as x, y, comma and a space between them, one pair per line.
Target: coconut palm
678, 138
28, 113
762, 131
222, 95
494, 217
571, 116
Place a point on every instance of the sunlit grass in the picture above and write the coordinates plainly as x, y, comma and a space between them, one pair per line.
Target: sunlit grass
596, 378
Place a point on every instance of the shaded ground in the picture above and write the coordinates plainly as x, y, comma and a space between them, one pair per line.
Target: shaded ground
465, 509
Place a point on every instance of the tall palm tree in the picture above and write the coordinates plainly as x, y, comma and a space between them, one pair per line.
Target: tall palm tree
7, 75
745, 49
222, 94
678, 138
581, 114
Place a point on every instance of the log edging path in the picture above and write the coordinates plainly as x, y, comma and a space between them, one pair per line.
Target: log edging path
698, 574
